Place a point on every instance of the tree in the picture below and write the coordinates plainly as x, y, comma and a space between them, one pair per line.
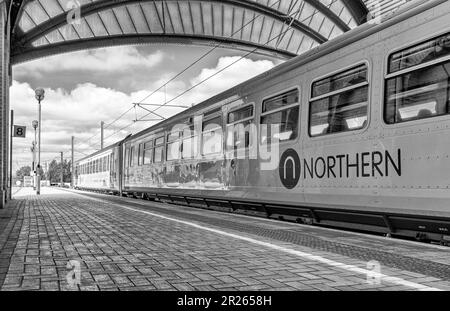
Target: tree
54, 171
22, 172
25, 171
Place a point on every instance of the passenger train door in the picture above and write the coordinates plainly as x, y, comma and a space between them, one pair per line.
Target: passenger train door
240, 144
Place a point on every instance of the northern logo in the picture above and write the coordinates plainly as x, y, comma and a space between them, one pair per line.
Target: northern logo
290, 169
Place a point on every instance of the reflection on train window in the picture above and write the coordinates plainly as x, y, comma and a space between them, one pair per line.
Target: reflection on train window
190, 147
279, 120
159, 150
418, 82
139, 153
148, 153
240, 128
420, 54
173, 151
212, 136
339, 103
240, 114
132, 156
159, 141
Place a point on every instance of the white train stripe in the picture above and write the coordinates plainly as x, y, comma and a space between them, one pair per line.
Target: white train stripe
308, 256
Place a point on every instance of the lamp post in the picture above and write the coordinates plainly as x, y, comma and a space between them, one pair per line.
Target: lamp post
40, 94
35, 124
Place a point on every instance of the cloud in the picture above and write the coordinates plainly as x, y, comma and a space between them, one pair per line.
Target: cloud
122, 58
229, 72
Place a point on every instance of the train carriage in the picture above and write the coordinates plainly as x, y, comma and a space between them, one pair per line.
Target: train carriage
354, 134
99, 171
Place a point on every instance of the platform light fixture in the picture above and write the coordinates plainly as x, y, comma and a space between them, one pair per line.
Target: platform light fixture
40, 95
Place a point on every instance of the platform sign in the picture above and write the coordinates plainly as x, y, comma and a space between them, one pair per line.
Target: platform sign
20, 131
28, 181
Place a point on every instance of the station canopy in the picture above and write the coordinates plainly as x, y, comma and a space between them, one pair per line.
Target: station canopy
280, 28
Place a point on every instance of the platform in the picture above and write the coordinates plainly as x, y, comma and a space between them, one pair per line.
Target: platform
130, 244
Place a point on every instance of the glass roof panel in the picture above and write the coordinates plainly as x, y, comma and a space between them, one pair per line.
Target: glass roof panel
124, 20
185, 14
36, 12
173, 15
96, 25
139, 20
26, 23
153, 17
69, 33
111, 23
52, 7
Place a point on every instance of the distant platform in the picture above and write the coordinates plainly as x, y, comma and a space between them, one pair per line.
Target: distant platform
111, 243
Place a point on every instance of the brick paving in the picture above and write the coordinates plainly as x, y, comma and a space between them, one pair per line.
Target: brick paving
122, 249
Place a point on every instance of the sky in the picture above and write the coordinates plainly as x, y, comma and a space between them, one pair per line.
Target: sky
87, 87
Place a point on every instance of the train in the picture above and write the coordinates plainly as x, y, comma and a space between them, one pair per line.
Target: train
354, 134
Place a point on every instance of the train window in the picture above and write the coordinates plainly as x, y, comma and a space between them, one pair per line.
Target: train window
159, 141
127, 157
279, 118
173, 136
420, 54
212, 136
159, 150
190, 142
148, 153
131, 156
240, 114
340, 103
190, 147
140, 153
239, 129
418, 82
173, 151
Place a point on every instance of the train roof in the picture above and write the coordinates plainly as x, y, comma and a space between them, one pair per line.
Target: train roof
411, 9
101, 151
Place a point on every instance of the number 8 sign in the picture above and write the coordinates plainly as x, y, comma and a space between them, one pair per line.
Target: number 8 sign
20, 131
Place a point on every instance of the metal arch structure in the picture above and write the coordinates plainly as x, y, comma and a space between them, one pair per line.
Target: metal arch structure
41, 28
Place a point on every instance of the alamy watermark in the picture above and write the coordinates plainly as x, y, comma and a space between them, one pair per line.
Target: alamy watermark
74, 12
374, 273
73, 277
